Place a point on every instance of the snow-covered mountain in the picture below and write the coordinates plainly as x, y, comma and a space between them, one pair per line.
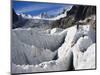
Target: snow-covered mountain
42, 20
28, 21
45, 16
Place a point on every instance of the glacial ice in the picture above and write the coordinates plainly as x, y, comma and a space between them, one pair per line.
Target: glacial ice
34, 50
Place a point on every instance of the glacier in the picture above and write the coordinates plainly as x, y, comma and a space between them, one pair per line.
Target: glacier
39, 50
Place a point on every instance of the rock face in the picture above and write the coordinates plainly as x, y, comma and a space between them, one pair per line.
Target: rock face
74, 15
81, 12
14, 16
17, 20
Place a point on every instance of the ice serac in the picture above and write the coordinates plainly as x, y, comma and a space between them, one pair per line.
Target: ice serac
84, 43
38, 39
53, 65
28, 54
55, 30
79, 48
67, 42
30, 43
86, 60
33, 49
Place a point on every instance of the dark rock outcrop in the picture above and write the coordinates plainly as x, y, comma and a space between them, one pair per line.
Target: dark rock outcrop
80, 12
76, 13
14, 16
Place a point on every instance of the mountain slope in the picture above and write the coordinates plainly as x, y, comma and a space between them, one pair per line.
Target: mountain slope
74, 15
